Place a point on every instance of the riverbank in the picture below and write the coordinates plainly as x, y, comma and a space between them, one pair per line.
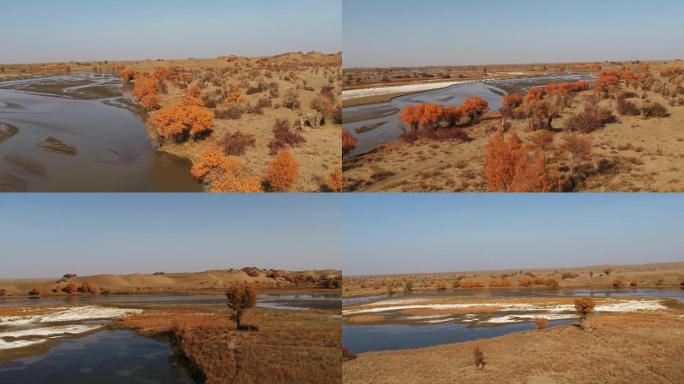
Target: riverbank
627, 153
300, 89
78, 133
614, 348
383, 93
290, 346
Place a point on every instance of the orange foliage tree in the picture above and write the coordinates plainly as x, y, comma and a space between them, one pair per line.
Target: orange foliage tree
510, 167
474, 108
510, 102
223, 173
145, 91
606, 81
189, 118
335, 181
282, 172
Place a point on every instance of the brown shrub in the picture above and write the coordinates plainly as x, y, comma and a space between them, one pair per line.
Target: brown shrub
473, 284
453, 133
627, 108
584, 306
654, 110
568, 275
499, 283
34, 292
478, 358
634, 283
540, 323
441, 285
235, 144
347, 354
284, 136
283, 171
589, 120
251, 271
617, 283
70, 288
608, 271
348, 142
86, 287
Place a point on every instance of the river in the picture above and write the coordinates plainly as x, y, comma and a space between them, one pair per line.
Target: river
380, 124
79, 133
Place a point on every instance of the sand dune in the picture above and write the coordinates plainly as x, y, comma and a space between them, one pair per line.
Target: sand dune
211, 280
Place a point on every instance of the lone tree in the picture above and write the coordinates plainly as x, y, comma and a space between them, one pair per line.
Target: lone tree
409, 286
240, 298
583, 307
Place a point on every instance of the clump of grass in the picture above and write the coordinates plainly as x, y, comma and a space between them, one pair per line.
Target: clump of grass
479, 357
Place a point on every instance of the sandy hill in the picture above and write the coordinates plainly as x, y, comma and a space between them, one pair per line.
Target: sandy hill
212, 280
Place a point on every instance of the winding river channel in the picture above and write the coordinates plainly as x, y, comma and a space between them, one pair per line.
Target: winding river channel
378, 124
467, 315
79, 133
69, 340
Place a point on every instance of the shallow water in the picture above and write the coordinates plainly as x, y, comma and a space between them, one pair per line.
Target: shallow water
88, 112
277, 301
401, 331
381, 337
102, 357
508, 293
379, 124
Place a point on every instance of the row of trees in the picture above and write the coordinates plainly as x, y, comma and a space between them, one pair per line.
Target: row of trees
433, 116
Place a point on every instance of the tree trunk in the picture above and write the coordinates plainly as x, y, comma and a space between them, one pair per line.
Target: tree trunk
238, 319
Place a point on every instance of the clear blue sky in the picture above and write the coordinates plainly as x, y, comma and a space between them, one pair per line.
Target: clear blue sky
66, 30
441, 32
412, 233
45, 235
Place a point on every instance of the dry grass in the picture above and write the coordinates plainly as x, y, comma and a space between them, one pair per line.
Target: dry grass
643, 348
290, 346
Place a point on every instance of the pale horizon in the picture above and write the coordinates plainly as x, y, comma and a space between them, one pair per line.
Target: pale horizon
427, 233
48, 235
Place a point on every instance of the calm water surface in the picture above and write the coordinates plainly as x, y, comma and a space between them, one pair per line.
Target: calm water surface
101, 357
